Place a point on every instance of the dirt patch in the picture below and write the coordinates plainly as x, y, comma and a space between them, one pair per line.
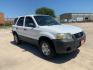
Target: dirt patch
27, 57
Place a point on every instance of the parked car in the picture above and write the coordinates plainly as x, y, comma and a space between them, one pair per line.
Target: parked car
46, 33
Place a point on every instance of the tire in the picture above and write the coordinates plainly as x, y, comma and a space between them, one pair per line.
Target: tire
16, 39
47, 49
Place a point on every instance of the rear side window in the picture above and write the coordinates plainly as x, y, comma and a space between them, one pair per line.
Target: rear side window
20, 21
15, 20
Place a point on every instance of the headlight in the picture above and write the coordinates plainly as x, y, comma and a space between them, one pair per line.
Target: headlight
59, 36
64, 37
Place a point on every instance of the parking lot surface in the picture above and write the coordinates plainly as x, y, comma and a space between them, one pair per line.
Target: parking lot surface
27, 57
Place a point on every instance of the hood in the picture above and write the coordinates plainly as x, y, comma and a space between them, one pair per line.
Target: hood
62, 29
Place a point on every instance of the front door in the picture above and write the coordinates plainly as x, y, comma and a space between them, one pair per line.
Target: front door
30, 30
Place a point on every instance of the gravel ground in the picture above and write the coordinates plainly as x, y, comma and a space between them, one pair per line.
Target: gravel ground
27, 57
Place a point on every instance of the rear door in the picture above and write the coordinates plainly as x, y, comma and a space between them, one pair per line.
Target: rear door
19, 26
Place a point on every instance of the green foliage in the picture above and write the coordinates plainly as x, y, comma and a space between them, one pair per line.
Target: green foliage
45, 11
6, 25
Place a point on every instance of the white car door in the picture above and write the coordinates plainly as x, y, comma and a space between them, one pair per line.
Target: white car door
30, 29
19, 26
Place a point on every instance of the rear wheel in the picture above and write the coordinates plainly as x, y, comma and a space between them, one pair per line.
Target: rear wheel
16, 39
47, 49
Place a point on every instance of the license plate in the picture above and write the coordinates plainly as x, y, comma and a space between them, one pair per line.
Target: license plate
82, 42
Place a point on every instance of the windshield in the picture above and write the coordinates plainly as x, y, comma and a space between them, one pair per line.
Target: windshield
45, 20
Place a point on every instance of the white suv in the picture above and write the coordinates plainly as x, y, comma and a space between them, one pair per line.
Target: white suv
46, 33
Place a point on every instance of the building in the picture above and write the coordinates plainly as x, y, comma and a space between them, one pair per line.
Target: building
1, 19
76, 17
9, 20
57, 18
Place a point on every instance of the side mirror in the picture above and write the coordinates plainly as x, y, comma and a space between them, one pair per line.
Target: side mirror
32, 25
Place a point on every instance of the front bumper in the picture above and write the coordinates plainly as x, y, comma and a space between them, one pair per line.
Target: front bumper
67, 47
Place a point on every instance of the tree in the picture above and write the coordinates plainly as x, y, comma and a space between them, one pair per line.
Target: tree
45, 11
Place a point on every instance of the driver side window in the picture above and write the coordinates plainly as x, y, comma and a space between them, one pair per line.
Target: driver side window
29, 22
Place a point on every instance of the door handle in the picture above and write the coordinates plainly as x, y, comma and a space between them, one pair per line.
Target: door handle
25, 29
16, 28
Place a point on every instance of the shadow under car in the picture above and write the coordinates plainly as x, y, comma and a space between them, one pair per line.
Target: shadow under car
58, 59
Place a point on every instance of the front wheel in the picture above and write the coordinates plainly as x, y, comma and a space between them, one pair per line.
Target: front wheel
47, 49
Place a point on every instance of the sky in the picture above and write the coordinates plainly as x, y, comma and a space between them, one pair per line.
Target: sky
14, 8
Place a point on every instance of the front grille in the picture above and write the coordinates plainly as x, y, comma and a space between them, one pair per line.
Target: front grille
78, 35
